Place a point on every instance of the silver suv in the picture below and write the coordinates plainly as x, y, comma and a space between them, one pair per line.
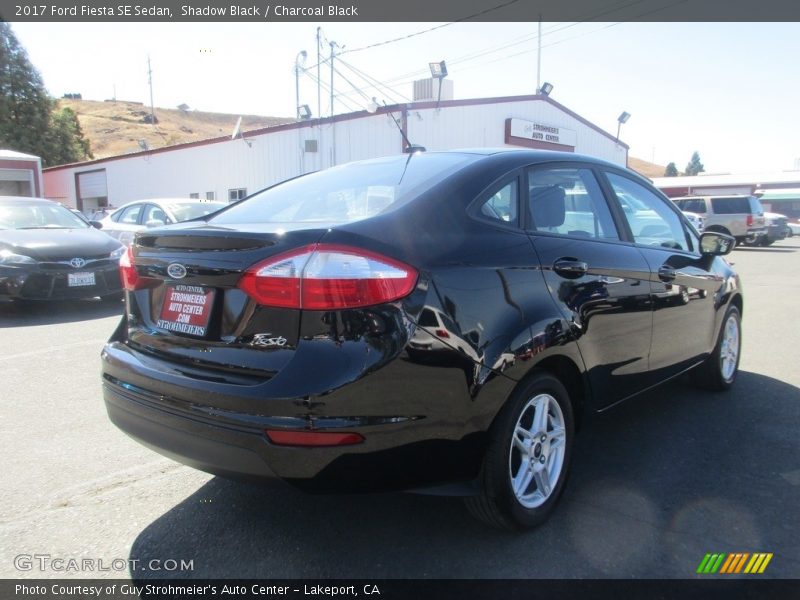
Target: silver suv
739, 216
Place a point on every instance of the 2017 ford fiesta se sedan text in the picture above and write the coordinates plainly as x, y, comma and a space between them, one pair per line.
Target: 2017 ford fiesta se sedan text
290, 336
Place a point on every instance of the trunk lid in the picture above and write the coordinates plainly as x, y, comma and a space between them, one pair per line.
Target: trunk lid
189, 310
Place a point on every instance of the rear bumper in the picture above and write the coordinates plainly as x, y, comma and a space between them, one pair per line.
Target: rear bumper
213, 432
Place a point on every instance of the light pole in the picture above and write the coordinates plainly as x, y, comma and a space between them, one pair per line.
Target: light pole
623, 118
299, 61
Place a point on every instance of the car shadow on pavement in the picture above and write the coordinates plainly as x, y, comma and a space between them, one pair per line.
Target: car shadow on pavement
25, 313
656, 483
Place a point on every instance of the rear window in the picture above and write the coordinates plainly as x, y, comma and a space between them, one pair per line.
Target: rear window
731, 206
347, 193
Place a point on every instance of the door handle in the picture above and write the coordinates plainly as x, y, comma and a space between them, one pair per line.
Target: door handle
666, 273
570, 268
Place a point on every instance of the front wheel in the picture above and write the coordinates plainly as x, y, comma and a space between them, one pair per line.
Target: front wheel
718, 371
527, 461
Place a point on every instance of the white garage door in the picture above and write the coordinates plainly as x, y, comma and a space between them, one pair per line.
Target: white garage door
93, 184
16, 182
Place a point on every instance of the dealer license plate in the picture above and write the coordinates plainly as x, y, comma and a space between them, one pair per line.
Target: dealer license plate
186, 309
79, 279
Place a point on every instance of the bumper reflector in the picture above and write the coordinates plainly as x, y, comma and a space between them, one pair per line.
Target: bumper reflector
283, 437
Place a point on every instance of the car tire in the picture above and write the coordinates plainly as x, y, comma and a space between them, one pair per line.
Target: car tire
718, 371
527, 460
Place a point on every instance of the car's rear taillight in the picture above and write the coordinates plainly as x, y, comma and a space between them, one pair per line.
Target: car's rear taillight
328, 277
442, 333
131, 280
749, 220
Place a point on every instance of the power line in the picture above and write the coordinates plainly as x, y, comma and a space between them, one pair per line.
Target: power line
376, 84
415, 34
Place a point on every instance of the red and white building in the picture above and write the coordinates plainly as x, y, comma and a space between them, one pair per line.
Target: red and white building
229, 169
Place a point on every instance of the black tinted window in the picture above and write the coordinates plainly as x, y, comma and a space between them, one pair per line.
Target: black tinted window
731, 206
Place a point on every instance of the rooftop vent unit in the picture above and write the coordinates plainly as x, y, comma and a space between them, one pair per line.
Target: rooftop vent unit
427, 90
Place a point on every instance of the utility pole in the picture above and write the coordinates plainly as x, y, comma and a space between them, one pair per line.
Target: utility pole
319, 80
333, 123
539, 57
150, 82
332, 44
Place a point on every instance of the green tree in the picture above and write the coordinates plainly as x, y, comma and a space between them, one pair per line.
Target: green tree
66, 143
694, 167
28, 118
671, 170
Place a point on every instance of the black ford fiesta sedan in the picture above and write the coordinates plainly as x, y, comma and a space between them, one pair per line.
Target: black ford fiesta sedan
49, 253
432, 322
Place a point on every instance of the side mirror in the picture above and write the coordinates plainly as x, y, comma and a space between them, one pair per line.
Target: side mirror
716, 244
96, 224
155, 223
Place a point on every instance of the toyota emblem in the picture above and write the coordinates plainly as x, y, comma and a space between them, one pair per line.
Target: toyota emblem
176, 271
77, 262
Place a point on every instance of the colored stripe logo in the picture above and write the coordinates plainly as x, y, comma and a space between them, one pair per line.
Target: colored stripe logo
736, 562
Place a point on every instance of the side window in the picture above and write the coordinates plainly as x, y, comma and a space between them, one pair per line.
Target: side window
130, 216
154, 213
731, 206
569, 202
650, 218
696, 205
503, 205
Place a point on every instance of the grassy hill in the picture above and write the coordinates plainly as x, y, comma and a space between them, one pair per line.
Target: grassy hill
115, 128
646, 168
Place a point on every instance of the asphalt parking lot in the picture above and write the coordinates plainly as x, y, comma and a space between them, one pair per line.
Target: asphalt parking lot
656, 484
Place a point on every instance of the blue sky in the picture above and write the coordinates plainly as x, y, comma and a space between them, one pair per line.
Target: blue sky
728, 90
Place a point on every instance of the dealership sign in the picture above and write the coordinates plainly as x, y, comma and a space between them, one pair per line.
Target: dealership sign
542, 132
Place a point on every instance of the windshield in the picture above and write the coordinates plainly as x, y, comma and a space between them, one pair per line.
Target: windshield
39, 216
347, 193
183, 211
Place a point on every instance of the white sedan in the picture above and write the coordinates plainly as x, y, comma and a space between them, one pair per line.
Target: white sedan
124, 222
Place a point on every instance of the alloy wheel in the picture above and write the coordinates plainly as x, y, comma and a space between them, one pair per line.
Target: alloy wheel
536, 456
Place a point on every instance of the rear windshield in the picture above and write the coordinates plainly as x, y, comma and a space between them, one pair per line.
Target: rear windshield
732, 206
347, 193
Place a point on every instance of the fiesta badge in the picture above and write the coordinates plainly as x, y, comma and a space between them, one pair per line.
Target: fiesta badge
176, 271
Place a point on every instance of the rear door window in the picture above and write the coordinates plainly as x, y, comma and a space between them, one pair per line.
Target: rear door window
568, 201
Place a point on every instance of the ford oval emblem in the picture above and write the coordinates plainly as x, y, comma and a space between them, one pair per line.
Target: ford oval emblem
77, 262
176, 271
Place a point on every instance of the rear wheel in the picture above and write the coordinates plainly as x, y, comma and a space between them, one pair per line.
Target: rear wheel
527, 461
719, 370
